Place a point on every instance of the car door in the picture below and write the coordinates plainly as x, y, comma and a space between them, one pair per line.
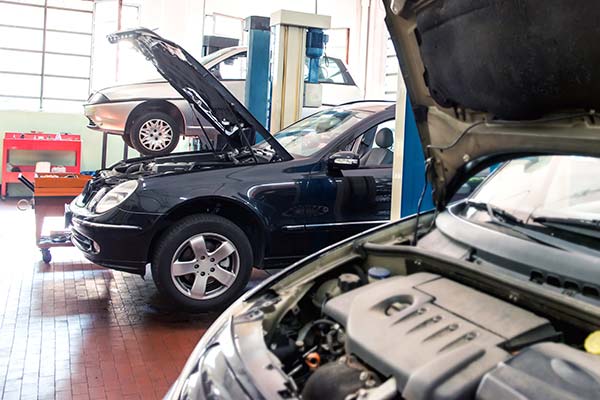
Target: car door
341, 204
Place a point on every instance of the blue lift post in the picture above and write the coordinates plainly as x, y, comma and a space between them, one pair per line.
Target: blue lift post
413, 178
315, 42
257, 75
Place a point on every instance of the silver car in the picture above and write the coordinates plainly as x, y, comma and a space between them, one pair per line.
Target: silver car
151, 115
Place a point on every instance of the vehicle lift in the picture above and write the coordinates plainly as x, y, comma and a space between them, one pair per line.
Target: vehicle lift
276, 92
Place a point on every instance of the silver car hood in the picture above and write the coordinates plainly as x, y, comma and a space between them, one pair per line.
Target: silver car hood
492, 80
158, 88
202, 90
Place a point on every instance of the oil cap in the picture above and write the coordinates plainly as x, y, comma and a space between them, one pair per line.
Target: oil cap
378, 273
347, 282
592, 343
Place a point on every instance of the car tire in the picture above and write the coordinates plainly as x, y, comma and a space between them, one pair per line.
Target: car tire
127, 139
154, 134
186, 270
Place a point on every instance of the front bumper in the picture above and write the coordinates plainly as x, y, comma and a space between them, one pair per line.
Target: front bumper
121, 246
109, 117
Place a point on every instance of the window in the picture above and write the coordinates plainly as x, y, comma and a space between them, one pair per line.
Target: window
331, 70
223, 25
232, 69
117, 64
311, 134
392, 72
337, 44
45, 54
367, 142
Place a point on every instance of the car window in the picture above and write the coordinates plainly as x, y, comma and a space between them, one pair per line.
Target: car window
366, 142
556, 186
311, 134
231, 69
331, 70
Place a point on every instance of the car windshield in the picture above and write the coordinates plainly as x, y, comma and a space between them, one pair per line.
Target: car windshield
309, 135
533, 188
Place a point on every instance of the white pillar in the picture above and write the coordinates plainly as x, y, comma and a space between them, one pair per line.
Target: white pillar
288, 49
398, 168
287, 75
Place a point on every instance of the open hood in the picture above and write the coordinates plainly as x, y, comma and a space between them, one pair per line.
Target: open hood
202, 90
490, 80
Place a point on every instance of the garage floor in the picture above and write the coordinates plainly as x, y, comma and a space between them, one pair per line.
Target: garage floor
74, 330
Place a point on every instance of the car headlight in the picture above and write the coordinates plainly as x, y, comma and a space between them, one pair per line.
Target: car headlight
97, 98
199, 375
213, 379
116, 196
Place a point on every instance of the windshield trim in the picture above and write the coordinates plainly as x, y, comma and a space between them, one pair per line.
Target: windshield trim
516, 254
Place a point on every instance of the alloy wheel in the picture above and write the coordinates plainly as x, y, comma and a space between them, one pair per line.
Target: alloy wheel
156, 134
205, 266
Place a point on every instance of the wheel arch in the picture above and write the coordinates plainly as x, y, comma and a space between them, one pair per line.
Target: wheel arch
239, 213
156, 105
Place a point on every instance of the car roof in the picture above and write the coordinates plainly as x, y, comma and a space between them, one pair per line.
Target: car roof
367, 105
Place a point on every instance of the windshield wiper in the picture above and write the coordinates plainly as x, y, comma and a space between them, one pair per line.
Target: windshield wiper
510, 221
495, 212
587, 227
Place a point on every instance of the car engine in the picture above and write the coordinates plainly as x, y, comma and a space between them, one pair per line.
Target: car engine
423, 336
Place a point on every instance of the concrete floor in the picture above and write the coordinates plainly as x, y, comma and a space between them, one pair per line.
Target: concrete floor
74, 330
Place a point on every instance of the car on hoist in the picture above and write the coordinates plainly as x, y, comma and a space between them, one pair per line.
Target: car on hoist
202, 220
151, 116
496, 296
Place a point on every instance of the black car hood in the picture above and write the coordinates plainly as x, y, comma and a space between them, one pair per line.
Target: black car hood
490, 80
201, 89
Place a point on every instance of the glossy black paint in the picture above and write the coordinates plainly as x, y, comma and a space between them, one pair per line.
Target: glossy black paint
288, 209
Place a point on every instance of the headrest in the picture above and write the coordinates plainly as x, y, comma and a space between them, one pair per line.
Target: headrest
384, 138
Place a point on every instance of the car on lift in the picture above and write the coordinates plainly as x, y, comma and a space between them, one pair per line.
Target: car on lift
151, 116
496, 296
203, 220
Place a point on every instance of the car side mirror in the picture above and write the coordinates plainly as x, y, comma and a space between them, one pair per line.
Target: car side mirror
343, 160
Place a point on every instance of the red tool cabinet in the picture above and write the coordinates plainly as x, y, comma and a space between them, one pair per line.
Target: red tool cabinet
37, 141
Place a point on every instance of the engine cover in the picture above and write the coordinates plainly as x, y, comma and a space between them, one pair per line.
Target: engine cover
436, 337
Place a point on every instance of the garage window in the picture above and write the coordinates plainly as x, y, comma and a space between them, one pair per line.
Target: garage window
392, 72
45, 54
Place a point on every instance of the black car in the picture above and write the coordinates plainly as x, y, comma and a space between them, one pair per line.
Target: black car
203, 220
496, 296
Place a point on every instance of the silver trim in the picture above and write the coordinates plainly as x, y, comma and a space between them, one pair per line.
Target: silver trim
256, 189
308, 226
108, 226
78, 245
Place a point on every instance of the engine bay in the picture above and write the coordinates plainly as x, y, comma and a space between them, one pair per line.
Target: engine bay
382, 333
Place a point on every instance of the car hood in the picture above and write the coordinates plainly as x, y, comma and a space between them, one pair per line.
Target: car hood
201, 89
492, 80
133, 91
